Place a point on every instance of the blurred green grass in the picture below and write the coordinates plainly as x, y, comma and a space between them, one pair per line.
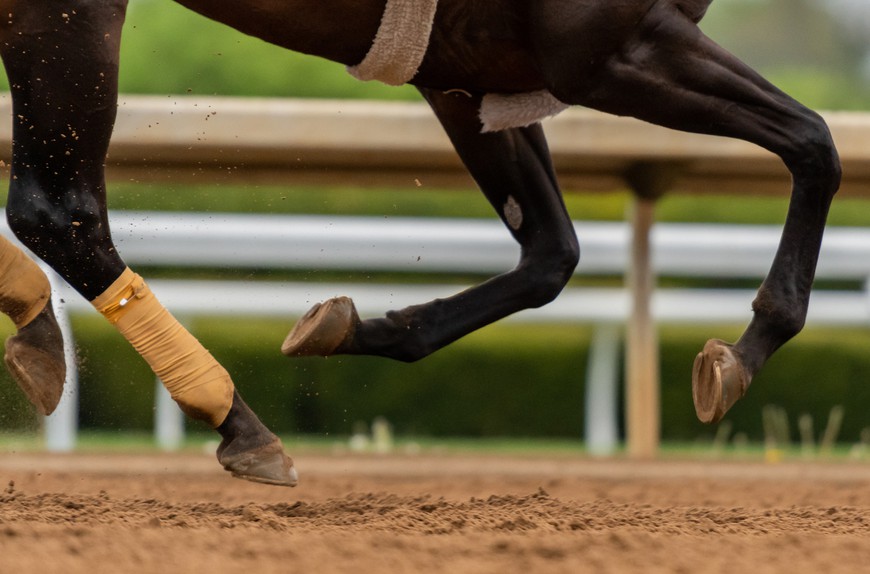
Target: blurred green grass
100, 442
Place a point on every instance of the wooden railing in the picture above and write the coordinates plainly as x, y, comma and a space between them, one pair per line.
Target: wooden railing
378, 143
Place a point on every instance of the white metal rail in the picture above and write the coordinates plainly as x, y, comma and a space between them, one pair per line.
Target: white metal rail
455, 247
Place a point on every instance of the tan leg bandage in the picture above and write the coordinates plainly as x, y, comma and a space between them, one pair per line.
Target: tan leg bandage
197, 382
24, 288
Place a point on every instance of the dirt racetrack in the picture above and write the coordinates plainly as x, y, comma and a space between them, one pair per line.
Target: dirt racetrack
172, 514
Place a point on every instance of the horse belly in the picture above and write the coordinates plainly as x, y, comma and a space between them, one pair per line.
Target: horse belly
338, 30
480, 46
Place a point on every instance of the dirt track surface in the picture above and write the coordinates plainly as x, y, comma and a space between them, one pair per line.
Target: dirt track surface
173, 514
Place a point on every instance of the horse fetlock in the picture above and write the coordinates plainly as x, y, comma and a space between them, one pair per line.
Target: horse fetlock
250, 451
403, 335
257, 457
782, 317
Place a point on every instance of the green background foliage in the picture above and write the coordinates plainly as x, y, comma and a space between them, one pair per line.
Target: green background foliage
167, 49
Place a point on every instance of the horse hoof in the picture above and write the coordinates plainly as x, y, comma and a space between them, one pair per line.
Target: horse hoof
266, 465
718, 381
324, 330
35, 359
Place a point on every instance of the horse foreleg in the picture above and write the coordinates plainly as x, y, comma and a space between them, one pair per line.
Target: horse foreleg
63, 69
669, 73
513, 170
34, 355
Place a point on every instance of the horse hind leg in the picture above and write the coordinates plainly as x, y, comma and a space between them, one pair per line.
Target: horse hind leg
669, 73
514, 172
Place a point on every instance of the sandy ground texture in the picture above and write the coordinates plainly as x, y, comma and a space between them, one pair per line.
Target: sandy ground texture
460, 514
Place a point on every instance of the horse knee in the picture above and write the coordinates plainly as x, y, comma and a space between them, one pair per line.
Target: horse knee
35, 213
69, 231
29, 212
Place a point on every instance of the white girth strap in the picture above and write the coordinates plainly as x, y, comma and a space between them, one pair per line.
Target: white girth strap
398, 51
400, 44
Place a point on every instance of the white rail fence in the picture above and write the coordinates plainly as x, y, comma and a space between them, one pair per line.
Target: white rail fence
452, 247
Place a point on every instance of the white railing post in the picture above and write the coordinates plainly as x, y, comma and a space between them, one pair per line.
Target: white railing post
602, 384
61, 427
168, 419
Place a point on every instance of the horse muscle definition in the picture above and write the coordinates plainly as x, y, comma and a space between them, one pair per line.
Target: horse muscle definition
641, 58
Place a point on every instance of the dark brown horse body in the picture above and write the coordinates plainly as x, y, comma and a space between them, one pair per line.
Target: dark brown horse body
643, 58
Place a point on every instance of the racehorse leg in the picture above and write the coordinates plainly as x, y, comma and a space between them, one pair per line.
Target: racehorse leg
63, 68
514, 171
34, 355
669, 73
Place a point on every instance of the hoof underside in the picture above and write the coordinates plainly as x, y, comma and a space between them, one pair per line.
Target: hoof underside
324, 330
718, 381
266, 465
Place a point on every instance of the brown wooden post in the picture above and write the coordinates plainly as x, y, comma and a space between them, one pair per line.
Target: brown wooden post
643, 404
642, 361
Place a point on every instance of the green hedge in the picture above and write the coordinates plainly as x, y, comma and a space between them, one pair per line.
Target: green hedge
506, 380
